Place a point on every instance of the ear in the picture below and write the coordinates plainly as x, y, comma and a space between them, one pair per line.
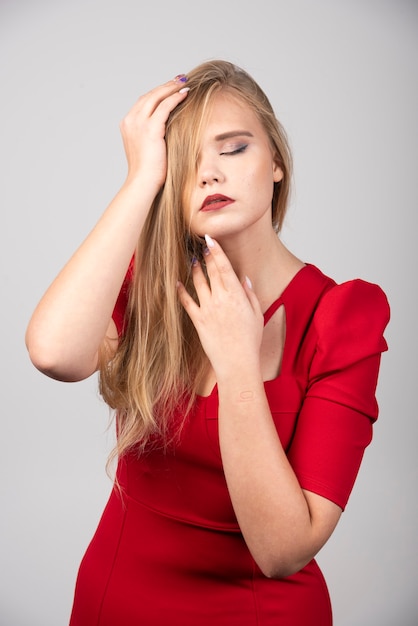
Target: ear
277, 171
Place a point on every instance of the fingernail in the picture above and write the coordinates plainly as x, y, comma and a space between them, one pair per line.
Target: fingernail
194, 261
249, 283
209, 241
184, 89
181, 78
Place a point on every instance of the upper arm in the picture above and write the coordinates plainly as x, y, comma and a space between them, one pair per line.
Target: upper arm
335, 422
117, 323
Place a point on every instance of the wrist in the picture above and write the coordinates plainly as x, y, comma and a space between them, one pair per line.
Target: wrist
139, 184
239, 385
147, 182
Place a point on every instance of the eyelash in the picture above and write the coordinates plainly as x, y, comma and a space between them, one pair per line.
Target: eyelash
237, 151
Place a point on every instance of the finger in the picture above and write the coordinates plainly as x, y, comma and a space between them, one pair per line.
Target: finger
147, 103
175, 84
251, 295
189, 305
220, 270
200, 281
151, 111
164, 108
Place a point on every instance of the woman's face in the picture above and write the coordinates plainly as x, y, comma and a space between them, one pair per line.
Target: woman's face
236, 171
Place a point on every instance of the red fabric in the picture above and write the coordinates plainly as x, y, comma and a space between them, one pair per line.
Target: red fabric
119, 312
168, 549
332, 431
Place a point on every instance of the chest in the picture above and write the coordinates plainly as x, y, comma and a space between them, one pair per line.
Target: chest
271, 353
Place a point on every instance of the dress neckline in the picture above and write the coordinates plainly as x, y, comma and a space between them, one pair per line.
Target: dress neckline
271, 309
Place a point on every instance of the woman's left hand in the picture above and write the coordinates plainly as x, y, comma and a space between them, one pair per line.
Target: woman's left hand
228, 318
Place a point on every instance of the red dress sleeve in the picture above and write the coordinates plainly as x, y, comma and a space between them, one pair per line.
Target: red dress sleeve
119, 311
335, 423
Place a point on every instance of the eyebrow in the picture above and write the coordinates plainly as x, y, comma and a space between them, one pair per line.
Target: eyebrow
233, 133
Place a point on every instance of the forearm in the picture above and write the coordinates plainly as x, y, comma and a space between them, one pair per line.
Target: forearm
71, 320
271, 507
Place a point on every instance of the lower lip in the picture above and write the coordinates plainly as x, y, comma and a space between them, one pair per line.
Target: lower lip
216, 206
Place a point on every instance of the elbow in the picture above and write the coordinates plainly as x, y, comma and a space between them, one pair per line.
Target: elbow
281, 566
52, 361
39, 356
280, 570
46, 362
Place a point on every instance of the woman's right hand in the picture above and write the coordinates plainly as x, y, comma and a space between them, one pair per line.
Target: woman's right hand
143, 131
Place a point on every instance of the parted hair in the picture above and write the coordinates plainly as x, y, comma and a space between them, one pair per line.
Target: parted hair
159, 361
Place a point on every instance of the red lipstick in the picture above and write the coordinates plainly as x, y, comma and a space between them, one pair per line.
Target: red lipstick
215, 202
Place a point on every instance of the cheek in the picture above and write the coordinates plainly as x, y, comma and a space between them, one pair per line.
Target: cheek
259, 184
191, 218
266, 181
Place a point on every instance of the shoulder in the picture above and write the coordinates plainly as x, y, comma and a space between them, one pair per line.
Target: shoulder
351, 307
359, 295
349, 322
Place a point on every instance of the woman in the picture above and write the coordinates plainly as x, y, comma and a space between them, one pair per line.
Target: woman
242, 378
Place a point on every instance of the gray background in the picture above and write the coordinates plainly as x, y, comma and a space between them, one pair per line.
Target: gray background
342, 78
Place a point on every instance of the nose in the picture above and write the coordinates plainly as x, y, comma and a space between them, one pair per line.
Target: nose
209, 174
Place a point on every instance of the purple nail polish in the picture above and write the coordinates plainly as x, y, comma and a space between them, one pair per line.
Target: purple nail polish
181, 78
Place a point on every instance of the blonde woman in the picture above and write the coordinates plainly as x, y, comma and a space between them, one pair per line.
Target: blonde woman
243, 379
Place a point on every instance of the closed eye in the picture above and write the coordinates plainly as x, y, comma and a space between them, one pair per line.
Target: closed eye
236, 151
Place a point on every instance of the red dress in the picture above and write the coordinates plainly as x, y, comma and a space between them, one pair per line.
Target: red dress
168, 550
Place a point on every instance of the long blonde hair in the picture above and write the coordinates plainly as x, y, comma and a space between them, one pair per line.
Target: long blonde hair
159, 362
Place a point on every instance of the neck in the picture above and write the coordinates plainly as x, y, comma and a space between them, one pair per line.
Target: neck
266, 261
